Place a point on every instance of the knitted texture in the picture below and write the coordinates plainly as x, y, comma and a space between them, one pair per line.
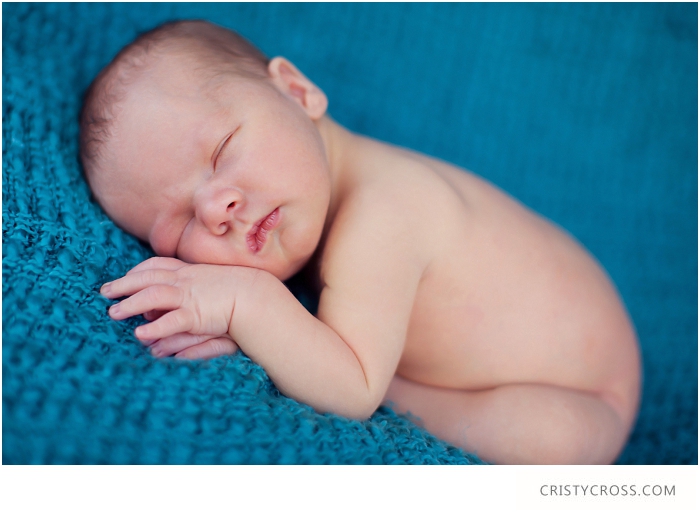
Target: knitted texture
587, 113
77, 387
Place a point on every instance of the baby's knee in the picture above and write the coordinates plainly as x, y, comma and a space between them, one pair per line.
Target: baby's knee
564, 444
593, 434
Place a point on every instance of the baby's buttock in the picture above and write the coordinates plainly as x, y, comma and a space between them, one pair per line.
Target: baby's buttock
513, 299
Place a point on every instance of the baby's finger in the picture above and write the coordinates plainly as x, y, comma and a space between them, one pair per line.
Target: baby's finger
174, 322
156, 297
209, 349
169, 263
130, 284
177, 343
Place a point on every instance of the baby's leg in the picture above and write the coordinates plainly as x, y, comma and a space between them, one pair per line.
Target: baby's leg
516, 423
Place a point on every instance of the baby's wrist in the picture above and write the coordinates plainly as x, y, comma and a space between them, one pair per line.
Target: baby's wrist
251, 295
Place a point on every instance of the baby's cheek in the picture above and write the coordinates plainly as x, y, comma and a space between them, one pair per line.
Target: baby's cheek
210, 250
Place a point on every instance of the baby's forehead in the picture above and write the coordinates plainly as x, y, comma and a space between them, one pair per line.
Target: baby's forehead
167, 73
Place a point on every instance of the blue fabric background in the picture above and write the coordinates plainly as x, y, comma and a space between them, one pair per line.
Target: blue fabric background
585, 112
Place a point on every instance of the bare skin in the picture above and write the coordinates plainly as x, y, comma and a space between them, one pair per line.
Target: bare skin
515, 328
439, 293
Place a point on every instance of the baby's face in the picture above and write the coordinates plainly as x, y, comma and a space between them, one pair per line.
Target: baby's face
239, 177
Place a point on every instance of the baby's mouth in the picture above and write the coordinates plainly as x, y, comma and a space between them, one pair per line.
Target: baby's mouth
257, 236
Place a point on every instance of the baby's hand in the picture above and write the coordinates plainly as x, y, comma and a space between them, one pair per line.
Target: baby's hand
190, 305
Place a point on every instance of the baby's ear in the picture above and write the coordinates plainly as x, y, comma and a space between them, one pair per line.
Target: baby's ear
291, 82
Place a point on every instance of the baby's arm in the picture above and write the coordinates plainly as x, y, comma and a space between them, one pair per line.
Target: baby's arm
341, 362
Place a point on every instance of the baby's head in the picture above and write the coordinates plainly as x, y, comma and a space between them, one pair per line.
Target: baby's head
192, 140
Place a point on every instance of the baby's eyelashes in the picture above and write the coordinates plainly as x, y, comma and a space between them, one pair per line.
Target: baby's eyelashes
220, 149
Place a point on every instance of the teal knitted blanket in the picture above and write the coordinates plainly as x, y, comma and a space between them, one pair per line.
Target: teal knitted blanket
78, 387
560, 105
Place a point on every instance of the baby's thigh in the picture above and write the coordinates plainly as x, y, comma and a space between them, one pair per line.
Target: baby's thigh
517, 423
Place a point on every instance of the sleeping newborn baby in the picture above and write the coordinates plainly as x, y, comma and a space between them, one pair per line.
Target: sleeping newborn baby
438, 293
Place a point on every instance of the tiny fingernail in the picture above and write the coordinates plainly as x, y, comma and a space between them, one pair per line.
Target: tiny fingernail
106, 288
114, 309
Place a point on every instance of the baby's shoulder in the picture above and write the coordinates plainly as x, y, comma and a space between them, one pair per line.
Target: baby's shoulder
397, 206
419, 191
387, 177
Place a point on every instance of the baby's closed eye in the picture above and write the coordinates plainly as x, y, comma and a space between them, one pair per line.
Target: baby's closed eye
220, 149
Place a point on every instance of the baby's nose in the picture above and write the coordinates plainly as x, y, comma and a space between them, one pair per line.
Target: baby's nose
217, 210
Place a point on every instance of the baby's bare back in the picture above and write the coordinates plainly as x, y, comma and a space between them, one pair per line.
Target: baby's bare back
508, 297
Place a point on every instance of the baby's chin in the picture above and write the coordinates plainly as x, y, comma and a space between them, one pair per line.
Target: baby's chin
286, 261
285, 271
